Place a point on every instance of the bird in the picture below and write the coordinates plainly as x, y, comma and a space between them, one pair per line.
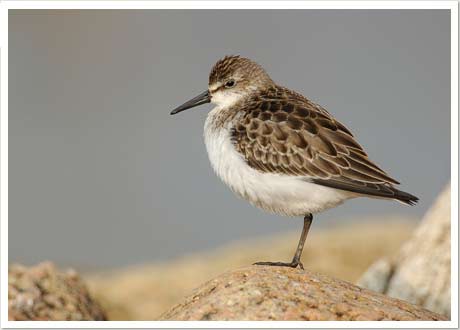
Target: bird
282, 152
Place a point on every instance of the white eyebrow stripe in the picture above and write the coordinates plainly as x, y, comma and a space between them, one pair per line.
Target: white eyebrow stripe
214, 87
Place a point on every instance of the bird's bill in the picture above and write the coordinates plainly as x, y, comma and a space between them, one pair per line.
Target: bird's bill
196, 101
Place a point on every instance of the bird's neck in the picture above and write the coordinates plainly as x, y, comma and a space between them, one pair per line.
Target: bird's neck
220, 117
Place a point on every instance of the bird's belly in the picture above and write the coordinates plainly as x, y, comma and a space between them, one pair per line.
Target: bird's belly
276, 193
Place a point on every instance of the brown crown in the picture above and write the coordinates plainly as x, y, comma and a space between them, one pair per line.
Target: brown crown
235, 65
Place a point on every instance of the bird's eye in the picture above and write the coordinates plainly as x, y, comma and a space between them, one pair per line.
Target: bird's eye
230, 83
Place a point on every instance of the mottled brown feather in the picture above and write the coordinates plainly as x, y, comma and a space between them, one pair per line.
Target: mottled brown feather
282, 132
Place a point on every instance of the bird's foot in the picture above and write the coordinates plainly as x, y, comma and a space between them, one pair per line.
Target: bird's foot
292, 264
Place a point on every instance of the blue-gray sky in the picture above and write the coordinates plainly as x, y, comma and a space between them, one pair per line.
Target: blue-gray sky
101, 174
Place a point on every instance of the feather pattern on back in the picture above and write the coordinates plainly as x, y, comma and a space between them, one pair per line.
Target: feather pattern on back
282, 132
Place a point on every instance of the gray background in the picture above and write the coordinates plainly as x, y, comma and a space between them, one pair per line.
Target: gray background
101, 175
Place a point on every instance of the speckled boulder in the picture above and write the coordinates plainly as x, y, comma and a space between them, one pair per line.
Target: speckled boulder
281, 293
42, 293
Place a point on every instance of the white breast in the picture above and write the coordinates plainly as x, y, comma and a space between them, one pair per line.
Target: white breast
276, 193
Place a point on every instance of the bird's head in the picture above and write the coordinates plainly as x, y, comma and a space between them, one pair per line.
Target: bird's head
231, 79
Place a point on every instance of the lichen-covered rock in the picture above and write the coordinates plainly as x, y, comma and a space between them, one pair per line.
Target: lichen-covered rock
42, 293
281, 293
420, 272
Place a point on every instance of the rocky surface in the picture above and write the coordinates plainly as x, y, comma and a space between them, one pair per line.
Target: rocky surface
420, 272
43, 293
344, 251
281, 293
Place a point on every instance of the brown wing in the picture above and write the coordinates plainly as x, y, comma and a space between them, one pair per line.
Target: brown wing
282, 132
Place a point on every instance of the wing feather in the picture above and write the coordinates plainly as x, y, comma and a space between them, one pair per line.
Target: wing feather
283, 132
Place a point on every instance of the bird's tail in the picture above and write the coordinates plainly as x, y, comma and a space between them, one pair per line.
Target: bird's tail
404, 197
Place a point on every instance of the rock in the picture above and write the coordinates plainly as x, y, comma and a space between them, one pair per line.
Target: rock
281, 293
420, 272
42, 293
345, 250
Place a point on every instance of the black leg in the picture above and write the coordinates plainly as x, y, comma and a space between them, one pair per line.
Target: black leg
307, 220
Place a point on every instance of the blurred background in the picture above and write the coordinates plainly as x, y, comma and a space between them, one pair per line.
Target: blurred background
101, 176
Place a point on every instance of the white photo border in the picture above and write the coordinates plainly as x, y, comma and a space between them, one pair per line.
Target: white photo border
7, 5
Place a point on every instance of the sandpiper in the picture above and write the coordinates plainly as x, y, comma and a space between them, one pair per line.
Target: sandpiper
282, 152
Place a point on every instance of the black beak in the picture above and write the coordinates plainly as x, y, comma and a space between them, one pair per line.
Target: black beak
196, 101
